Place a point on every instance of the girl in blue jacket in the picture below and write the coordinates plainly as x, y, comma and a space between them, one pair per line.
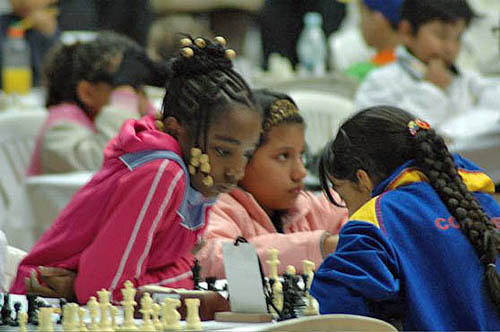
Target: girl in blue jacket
421, 245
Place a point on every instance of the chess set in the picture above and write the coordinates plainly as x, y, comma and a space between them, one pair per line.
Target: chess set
286, 297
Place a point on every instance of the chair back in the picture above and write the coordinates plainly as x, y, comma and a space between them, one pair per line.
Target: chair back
19, 131
330, 323
323, 113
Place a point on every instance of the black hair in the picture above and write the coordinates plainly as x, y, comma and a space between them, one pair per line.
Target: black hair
92, 61
265, 99
377, 140
202, 86
419, 12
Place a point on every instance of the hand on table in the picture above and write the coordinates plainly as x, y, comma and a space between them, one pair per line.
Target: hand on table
59, 283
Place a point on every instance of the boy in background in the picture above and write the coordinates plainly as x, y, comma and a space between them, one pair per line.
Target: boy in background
379, 27
425, 80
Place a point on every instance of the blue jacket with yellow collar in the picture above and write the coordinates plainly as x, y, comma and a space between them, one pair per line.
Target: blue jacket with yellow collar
403, 256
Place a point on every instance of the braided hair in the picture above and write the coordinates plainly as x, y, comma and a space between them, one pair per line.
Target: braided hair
378, 141
203, 85
269, 101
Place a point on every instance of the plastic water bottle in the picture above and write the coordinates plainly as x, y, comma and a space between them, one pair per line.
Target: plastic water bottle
16, 63
311, 46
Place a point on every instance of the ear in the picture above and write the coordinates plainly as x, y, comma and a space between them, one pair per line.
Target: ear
173, 127
406, 32
365, 182
85, 92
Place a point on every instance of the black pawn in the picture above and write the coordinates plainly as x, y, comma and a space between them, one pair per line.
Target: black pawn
17, 308
6, 311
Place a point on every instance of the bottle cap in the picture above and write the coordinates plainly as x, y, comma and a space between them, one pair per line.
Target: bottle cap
15, 31
313, 18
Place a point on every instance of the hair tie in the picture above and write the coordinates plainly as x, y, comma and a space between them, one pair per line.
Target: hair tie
492, 265
416, 125
280, 110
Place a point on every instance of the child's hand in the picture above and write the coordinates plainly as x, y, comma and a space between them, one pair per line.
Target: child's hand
438, 73
45, 21
59, 283
328, 244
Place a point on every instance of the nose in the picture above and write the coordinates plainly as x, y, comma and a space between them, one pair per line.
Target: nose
236, 171
299, 171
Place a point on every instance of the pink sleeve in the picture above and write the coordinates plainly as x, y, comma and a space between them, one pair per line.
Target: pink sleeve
223, 227
144, 203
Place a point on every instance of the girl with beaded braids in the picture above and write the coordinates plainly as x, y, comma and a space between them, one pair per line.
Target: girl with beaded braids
270, 207
142, 214
421, 245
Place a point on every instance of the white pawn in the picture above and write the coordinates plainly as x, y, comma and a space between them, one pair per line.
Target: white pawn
45, 323
170, 317
22, 320
93, 307
146, 309
311, 308
156, 317
105, 322
128, 304
113, 312
273, 262
81, 320
70, 322
193, 321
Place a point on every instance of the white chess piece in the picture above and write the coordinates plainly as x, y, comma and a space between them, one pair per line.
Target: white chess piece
273, 262
113, 312
193, 321
311, 308
146, 309
290, 269
128, 304
81, 320
93, 307
22, 320
70, 323
169, 315
277, 288
156, 317
104, 322
45, 323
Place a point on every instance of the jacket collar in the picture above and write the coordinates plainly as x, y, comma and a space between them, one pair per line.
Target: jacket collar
474, 178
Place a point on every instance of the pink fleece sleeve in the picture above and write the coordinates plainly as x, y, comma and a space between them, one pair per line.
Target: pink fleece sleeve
223, 227
143, 206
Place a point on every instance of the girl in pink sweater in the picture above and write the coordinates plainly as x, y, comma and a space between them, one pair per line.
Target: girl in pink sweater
141, 215
270, 207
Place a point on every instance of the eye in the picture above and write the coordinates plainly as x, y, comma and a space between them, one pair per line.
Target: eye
222, 152
283, 156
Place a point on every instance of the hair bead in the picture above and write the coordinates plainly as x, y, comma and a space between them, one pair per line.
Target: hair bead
200, 42
186, 42
187, 52
220, 40
230, 54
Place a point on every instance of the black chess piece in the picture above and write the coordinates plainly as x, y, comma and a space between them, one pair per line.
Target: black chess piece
6, 312
196, 274
62, 303
211, 283
34, 303
17, 308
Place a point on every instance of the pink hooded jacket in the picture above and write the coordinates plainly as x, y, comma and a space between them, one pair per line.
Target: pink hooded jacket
238, 214
132, 221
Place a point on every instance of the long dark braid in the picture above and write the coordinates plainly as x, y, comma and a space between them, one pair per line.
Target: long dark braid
203, 85
434, 159
378, 141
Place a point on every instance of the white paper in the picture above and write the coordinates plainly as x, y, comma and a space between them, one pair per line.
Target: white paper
244, 281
